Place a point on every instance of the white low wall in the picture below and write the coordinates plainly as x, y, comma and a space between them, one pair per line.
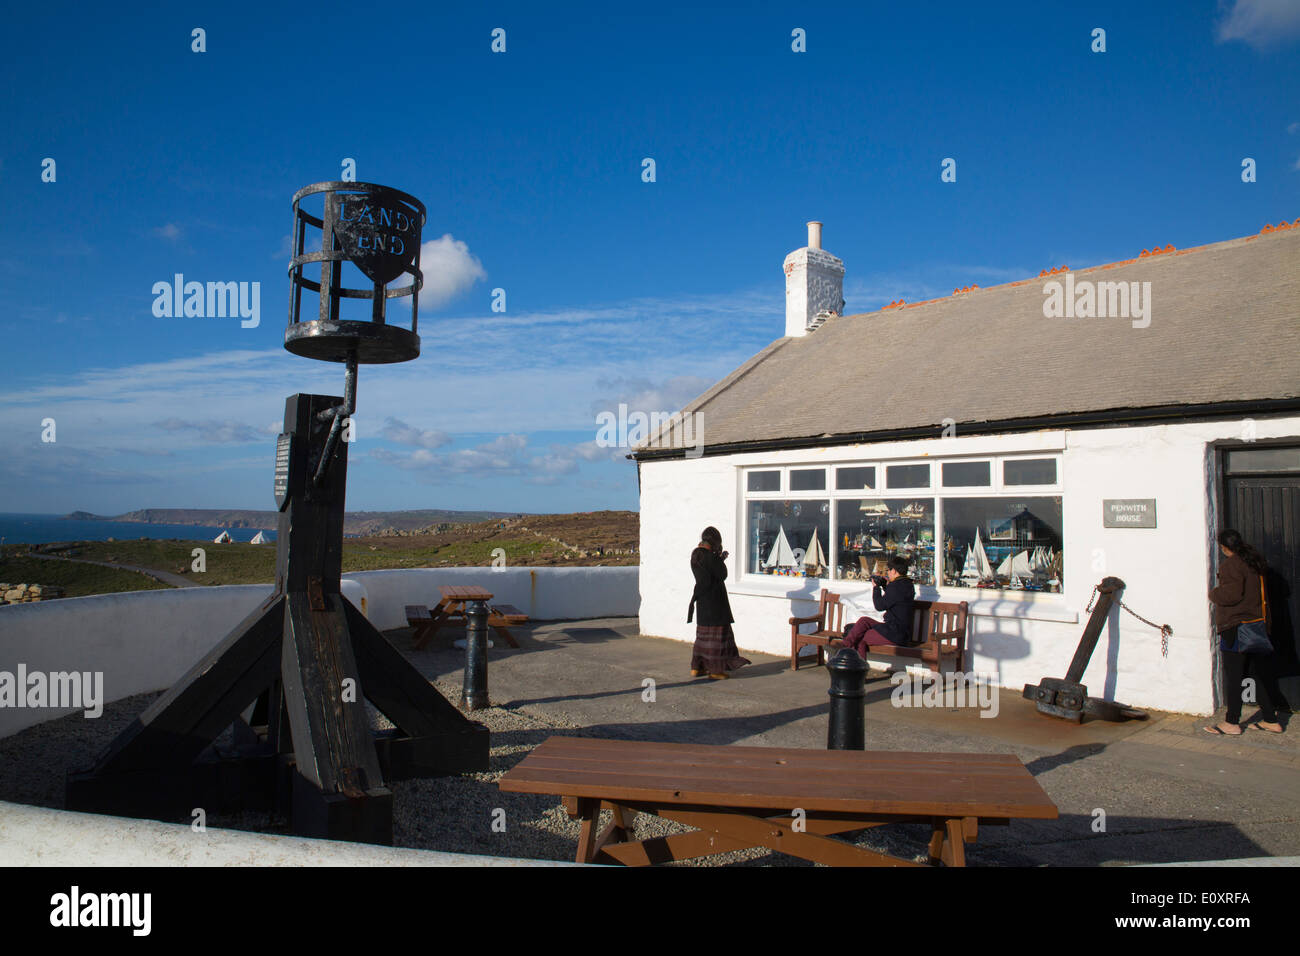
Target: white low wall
546, 594
37, 836
145, 640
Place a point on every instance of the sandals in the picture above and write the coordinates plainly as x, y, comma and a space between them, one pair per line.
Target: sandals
1258, 726
1217, 731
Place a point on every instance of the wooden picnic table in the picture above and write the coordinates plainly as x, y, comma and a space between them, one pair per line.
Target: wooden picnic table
452, 609
740, 797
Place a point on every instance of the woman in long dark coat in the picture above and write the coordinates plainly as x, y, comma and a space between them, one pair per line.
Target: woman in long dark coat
715, 650
1239, 598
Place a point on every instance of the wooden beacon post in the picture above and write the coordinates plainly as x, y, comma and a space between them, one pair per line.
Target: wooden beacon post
292, 680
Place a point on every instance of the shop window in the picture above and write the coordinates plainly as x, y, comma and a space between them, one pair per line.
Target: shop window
855, 479
808, 479
790, 538
868, 531
1011, 544
967, 474
1029, 471
763, 481
907, 476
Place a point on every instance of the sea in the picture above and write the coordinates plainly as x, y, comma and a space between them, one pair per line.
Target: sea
40, 529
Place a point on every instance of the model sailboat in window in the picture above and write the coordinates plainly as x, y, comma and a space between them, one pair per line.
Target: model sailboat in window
977, 569
781, 555
814, 559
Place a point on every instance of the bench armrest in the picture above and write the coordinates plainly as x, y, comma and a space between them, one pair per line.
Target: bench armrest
805, 620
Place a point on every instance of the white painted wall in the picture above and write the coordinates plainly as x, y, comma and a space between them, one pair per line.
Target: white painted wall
541, 593
37, 836
1018, 639
144, 640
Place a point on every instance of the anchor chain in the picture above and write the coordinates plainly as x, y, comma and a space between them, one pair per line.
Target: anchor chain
1164, 629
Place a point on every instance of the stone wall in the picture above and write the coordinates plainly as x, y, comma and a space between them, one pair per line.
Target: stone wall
27, 593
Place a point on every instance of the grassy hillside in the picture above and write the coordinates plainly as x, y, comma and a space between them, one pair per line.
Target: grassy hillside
77, 580
533, 540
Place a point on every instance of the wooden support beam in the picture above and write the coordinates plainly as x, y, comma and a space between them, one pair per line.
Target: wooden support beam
331, 734
205, 701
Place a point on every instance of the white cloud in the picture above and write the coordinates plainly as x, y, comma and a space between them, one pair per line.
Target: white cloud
1260, 23
171, 232
449, 269
217, 432
643, 395
404, 434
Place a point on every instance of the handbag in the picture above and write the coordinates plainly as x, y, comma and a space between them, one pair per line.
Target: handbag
1252, 636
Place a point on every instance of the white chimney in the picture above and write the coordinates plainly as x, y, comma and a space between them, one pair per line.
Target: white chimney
814, 283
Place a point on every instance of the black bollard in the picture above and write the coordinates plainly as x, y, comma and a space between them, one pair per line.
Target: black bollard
846, 729
474, 696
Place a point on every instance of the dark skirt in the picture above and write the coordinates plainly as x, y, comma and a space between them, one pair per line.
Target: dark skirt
715, 650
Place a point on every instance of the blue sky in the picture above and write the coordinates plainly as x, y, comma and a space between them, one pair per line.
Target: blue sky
529, 162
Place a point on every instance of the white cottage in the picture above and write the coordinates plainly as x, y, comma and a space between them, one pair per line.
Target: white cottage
1018, 443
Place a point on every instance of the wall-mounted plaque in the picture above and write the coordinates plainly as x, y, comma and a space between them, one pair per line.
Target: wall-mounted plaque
283, 444
1128, 513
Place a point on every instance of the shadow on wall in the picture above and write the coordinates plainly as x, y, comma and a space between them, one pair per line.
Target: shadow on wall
1281, 611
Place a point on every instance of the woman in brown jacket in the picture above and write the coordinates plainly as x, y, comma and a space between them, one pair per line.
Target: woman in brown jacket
715, 646
1240, 598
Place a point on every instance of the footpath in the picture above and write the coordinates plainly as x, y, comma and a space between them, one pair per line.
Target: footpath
1153, 791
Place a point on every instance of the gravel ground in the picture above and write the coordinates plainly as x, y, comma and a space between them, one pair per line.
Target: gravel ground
452, 814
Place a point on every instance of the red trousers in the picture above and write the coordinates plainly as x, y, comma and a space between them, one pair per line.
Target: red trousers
863, 634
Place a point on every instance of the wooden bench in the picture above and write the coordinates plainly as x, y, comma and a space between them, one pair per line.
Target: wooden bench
792, 801
450, 609
830, 627
500, 619
418, 618
940, 625
943, 627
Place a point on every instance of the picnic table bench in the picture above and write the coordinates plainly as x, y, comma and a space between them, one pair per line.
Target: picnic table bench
790, 800
451, 609
941, 626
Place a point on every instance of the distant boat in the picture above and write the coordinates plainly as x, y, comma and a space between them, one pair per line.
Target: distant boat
781, 556
223, 538
879, 508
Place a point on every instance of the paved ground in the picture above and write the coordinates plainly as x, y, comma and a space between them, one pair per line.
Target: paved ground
1169, 793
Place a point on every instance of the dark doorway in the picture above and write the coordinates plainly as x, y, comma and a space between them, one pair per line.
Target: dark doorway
1261, 485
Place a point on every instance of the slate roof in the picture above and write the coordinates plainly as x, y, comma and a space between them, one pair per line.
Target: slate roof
1225, 328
